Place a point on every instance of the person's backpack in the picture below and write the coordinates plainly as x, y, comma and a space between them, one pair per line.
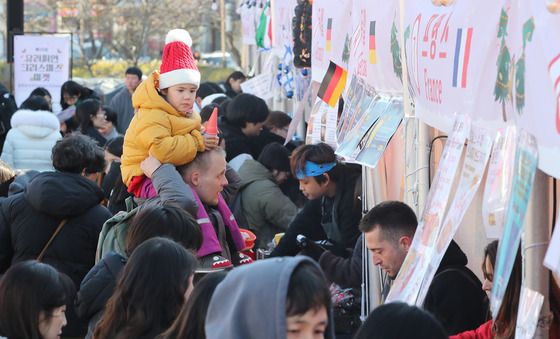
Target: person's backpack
7, 108
113, 234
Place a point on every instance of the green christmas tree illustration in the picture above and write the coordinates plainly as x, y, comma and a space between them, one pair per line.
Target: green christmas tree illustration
346, 50
501, 89
528, 29
396, 51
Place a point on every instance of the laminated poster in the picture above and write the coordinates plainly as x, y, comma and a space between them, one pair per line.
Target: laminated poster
375, 142
530, 303
260, 85
526, 158
409, 280
497, 190
368, 112
476, 158
358, 99
321, 126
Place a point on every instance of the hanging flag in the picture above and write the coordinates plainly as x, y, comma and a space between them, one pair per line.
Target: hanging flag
333, 84
462, 55
329, 35
263, 34
554, 72
372, 52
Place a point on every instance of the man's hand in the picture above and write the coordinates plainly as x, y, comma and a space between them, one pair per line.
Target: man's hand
309, 248
150, 165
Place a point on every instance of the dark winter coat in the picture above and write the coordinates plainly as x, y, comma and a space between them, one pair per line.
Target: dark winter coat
266, 209
455, 296
236, 141
345, 213
97, 287
345, 272
93, 133
29, 219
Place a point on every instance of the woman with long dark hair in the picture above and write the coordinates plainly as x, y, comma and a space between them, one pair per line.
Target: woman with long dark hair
190, 322
33, 299
506, 319
155, 283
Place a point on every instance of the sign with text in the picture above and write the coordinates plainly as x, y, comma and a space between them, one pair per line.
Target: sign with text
330, 36
40, 61
375, 51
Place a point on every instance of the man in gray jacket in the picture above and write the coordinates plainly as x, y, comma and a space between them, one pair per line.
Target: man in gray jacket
122, 101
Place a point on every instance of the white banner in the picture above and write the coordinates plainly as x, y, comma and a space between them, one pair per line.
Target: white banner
40, 61
462, 59
331, 36
282, 15
375, 51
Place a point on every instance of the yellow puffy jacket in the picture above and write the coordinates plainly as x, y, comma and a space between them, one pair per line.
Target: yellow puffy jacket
158, 128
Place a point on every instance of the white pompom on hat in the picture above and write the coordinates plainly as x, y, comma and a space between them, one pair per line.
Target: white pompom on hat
177, 64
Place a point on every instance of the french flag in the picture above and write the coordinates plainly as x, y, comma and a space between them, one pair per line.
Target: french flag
462, 55
554, 72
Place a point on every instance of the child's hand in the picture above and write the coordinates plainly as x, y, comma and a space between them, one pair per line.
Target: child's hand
210, 141
150, 165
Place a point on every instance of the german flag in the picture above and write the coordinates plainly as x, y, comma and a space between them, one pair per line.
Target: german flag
372, 52
329, 35
333, 84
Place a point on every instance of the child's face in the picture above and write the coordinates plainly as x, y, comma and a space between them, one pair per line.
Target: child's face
181, 97
310, 325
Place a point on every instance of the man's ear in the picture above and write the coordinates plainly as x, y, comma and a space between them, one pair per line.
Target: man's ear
405, 241
195, 178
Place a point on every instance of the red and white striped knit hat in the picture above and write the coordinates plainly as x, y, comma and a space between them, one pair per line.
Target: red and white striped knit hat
177, 64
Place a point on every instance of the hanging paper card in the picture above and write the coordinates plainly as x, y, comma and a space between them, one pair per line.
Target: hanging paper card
370, 110
476, 158
530, 303
358, 97
260, 86
409, 280
498, 183
322, 124
248, 10
523, 174
552, 258
377, 139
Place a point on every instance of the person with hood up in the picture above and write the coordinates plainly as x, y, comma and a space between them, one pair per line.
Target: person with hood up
277, 298
265, 208
34, 132
59, 215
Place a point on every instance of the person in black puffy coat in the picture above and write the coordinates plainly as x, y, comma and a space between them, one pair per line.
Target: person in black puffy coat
29, 219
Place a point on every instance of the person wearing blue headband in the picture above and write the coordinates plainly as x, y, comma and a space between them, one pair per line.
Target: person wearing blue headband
333, 210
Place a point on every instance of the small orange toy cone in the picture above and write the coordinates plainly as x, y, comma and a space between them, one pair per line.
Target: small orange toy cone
212, 124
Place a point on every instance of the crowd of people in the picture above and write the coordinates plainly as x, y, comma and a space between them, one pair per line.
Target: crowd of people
143, 217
